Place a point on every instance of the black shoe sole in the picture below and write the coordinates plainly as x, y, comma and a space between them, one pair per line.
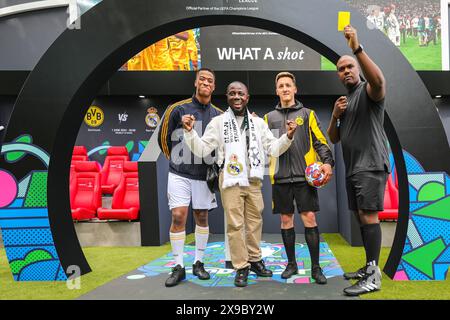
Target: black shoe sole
321, 283
358, 294
289, 276
241, 285
173, 285
176, 283
262, 275
195, 273
351, 278
209, 277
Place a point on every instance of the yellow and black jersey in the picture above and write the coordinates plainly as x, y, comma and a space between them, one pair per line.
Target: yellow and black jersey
309, 145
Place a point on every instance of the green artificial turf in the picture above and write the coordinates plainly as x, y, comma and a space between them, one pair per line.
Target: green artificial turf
108, 263
353, 258
421, 58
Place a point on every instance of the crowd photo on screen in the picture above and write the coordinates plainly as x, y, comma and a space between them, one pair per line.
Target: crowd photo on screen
401, 20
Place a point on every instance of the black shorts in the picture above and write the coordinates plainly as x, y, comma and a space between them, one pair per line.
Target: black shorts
365, 190
284, 194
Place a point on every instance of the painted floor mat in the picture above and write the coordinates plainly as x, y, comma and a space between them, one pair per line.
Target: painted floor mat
147, 282
273, 255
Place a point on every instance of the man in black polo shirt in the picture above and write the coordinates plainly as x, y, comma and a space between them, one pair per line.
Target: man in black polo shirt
357, 122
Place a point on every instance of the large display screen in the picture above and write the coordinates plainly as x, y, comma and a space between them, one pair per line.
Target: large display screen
414, 26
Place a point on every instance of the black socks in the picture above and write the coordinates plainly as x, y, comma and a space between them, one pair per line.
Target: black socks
288, 236
313, 242
371, 234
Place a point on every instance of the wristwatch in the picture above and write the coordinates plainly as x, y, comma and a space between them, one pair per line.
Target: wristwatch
358, 50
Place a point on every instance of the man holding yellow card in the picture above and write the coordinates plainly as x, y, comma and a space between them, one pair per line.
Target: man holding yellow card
357, 122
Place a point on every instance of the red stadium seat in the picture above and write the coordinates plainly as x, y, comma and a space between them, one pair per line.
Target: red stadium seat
112, 173
86, 166
85, 192
80, 158
73, 163
390, 202
118, 151
125, 203
130, 166
79, 153
72, 170
113, 168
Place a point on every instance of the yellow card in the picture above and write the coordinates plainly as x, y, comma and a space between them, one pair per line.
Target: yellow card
343, 20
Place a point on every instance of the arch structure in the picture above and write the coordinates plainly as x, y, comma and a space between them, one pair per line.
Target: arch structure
38, 233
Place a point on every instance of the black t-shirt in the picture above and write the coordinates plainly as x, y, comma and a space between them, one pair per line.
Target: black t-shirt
364, 142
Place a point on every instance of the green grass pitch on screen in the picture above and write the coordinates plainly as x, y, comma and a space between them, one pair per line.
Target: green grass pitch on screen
421, 58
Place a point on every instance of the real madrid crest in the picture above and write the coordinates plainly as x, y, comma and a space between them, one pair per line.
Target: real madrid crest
234, 167
299, 121
152, 118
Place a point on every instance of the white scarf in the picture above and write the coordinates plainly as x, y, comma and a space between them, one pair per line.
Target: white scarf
235, 168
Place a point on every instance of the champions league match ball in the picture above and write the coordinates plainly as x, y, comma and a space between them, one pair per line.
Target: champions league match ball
313, 175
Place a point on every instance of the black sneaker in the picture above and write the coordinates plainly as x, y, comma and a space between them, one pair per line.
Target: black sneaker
240, 280
290, 270
178, 274
259, 268
199, 271
317, 275
356, 275
369, 283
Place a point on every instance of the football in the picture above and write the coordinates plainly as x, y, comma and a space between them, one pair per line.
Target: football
314, 176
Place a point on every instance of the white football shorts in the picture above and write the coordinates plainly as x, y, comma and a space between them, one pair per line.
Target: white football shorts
180, 192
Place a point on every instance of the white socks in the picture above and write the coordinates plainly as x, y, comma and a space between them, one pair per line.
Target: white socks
201, 241
177, 243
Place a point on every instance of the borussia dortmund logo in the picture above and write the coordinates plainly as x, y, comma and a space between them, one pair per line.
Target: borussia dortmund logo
94, 116
299, 121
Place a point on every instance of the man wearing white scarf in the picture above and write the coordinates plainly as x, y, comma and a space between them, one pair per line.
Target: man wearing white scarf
241, 142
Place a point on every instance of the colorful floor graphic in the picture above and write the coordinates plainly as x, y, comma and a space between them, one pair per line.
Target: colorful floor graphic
273, 255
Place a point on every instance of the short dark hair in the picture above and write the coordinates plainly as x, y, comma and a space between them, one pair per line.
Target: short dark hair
243, 84
206, 69
283, 75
